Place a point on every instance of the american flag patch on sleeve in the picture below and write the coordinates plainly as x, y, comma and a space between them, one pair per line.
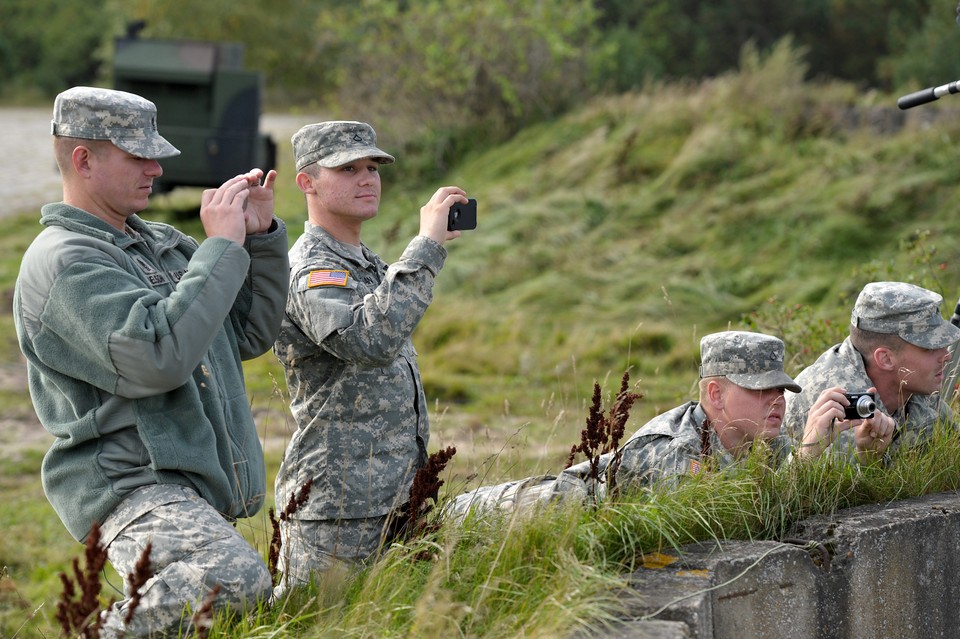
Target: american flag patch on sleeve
327, 278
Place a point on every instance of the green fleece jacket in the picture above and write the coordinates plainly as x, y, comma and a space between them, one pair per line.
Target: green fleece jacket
134, 345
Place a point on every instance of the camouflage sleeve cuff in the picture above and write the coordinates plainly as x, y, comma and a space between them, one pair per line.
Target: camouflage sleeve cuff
427, 252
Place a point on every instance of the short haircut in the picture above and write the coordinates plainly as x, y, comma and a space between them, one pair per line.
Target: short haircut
866, 342
312, 169
720, 379
63, 147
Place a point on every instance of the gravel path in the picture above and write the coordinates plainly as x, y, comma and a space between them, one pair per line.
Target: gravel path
28, 173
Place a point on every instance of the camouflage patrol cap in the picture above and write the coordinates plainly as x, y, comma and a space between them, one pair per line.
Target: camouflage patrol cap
906, 310
750, 360
126, 119
335, 143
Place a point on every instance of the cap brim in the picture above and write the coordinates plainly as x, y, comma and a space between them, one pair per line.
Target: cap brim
155, 147
940, 337
351, 155
765, 381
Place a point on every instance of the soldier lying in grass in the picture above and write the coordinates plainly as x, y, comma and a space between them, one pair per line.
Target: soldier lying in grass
741, 403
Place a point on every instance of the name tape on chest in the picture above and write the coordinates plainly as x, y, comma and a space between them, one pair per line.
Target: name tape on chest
155, 277
326, 277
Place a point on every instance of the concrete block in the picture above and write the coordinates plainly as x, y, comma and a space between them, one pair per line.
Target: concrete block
895, 569
734, 589
884, 570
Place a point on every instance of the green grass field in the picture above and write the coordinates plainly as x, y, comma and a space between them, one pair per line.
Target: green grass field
609, 240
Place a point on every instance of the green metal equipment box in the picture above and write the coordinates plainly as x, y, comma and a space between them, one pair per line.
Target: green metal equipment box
208, 106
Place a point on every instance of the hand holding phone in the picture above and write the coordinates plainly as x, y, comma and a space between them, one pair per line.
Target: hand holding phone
462, 217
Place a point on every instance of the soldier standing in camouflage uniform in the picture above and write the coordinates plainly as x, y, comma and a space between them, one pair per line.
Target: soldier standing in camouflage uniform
345, 344
898, 347
133, 335
742, 384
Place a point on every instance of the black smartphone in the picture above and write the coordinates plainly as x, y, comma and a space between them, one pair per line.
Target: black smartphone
462, 217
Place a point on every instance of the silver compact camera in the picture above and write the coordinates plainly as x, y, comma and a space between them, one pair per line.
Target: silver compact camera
862, 406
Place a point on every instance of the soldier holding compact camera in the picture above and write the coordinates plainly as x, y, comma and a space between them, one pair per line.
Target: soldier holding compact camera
836, 412
742, 394
897, 350
345, 345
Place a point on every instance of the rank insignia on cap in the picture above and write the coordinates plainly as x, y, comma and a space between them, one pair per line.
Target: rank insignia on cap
327, 278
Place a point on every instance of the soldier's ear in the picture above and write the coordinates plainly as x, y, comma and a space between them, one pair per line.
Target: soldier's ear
305, 183
80, 158
714, 394
884, 358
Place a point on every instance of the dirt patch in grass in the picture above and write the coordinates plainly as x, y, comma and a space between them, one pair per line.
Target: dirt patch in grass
19, 427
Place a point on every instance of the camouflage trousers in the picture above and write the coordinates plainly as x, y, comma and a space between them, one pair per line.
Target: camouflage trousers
314, 546
193, 549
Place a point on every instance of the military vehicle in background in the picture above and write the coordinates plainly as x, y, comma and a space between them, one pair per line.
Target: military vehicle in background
208, 106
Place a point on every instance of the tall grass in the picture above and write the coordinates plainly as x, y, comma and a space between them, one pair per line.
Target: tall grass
561, 567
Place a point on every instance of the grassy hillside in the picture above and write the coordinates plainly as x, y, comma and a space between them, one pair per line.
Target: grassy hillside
616, 237
612, 239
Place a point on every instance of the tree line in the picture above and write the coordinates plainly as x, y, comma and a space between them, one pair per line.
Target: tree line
436, 66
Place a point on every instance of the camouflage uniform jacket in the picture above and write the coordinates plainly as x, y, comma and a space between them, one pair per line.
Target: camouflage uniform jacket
667, 447
134, 347
843, 366
351, 369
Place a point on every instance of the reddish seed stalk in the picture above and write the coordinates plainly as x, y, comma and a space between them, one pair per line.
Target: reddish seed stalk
80, 615
295, 503
603, 433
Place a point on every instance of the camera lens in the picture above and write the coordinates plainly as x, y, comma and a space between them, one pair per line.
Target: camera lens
865, 406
